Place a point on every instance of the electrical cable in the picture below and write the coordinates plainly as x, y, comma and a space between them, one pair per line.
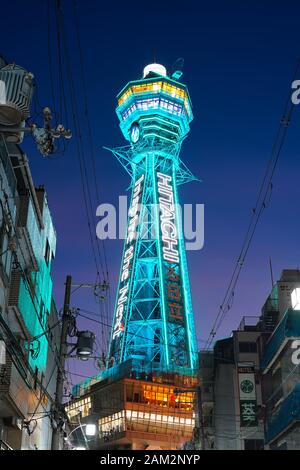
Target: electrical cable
87, 116
79, 143
91, 153
43, 393
265, 188
49, 42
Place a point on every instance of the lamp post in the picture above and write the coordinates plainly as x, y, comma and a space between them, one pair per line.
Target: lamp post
90, 430
82, 349
198, 392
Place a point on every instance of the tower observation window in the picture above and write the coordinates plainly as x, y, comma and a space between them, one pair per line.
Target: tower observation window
174, 91
147, 87
153, 103
125, 96
156, 87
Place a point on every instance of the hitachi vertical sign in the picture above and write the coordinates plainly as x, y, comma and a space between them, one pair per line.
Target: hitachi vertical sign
247, 391
175, 314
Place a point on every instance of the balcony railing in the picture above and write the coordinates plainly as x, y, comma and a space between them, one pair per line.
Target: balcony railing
5, 159
287, 413
289, 327
4, 445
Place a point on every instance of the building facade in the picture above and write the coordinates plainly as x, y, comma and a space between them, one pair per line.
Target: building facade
238, 419
281, 370
250, 381
29, 355
132, 412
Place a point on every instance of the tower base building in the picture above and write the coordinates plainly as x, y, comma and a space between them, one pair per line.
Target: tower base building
137, 411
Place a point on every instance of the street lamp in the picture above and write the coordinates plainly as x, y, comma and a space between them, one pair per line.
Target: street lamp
90, 430
295, 298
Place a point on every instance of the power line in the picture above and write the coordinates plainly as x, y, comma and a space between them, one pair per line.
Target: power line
87, 116
45, 389
79, 142
106, 305
265, 190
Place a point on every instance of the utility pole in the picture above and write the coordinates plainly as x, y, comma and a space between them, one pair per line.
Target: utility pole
64, 353
56, 435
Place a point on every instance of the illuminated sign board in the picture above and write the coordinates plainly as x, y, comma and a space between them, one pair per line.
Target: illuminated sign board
134, 213
247, 391
175, 311
167, 218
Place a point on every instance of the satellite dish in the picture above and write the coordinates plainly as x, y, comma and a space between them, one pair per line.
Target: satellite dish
177, 68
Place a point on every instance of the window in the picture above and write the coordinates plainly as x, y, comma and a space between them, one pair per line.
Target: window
247, 347
42, 307
82, 407
281, 446
125, 96
110, 426
4, 249
254, 444
47, 253
153, 103
157, 87
277, 391
36, 371
175, 92
42, 392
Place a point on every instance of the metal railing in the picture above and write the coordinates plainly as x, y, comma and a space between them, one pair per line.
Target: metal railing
4, 445
6, 162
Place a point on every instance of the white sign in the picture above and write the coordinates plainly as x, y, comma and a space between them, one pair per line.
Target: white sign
296, 94
247, 386
295, 298
167, 218
134, 214
2, 92
2, 352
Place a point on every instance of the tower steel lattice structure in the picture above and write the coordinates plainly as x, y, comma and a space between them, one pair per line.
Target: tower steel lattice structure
153, 318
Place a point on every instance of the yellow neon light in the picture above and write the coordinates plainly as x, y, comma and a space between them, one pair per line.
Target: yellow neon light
157, 87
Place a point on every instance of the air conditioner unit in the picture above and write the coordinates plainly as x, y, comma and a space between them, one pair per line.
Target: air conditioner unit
16, 88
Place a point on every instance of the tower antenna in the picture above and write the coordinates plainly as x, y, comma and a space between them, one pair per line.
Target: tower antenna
177, 69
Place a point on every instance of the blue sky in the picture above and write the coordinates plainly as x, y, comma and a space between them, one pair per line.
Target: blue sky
239, 62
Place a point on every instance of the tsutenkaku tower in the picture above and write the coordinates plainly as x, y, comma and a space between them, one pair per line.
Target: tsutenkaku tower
153, 319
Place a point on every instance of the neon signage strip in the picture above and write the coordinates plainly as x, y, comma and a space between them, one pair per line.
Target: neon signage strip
175, 307
191, 332
125, 277
167, 218
155, 87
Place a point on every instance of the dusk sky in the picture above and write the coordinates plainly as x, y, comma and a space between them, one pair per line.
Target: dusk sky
240, 57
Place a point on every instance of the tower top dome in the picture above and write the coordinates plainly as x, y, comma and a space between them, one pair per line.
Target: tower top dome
156, 68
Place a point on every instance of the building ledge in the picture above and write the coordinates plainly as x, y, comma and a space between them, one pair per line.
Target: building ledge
287, 329
285, 416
